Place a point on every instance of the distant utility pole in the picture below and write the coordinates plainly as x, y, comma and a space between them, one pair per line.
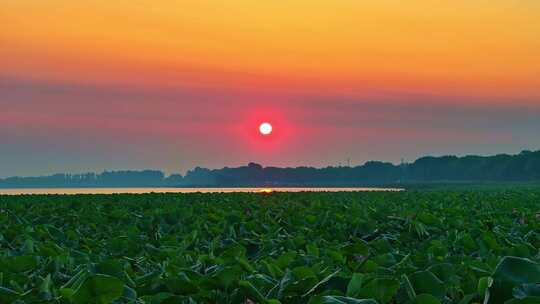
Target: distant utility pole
403, 166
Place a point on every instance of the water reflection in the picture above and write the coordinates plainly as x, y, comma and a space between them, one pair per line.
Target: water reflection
180, 190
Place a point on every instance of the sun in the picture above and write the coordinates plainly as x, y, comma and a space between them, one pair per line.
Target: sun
265, 128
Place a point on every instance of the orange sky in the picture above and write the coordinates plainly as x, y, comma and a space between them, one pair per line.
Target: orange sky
449, 47
87, 85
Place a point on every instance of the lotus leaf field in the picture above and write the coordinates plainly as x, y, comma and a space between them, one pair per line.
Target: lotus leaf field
423, 247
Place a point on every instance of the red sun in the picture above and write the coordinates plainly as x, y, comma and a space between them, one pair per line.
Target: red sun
265, 128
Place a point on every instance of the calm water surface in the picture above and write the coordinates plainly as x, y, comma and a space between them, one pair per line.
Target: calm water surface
175, 190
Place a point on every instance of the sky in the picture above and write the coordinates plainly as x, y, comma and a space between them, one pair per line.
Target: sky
173, 84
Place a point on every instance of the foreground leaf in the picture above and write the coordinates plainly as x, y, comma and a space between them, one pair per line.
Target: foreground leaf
512, 272
100, 288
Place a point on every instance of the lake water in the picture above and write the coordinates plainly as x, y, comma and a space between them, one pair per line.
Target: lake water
177, 190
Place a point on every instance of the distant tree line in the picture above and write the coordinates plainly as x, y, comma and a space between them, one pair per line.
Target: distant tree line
524, 166
145, 178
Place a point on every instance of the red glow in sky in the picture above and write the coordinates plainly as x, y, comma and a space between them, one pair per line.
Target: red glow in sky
251, 132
